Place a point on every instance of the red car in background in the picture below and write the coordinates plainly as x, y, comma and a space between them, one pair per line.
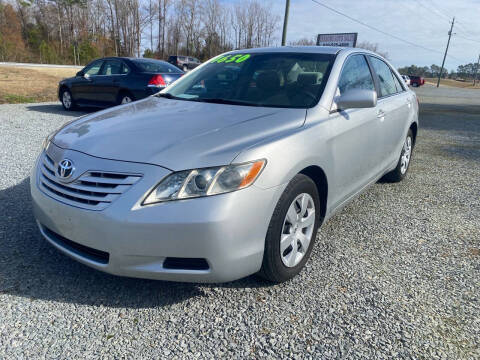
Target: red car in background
416, 81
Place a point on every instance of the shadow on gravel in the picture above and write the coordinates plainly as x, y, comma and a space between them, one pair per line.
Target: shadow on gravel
31, 268
59, 110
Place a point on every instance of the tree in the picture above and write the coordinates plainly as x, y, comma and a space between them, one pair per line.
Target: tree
303, 42
372, 47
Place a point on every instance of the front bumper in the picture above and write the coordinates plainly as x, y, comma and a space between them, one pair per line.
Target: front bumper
227, 231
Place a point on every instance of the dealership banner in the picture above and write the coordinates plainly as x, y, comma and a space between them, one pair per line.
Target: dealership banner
343, 39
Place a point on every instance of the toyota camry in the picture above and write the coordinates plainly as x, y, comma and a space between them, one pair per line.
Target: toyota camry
229, 171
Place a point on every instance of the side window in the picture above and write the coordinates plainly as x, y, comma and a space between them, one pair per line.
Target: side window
191, 59
355, 75
112, 67
385, 76
93, 68
397, 83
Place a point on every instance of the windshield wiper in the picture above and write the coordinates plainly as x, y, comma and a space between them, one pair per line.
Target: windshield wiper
166, 95
225, 101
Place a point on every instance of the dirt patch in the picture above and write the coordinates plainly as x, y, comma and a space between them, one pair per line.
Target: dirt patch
31, 84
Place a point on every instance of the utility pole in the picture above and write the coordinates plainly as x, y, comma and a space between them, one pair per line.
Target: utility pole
285, 23
446, 50
476, 70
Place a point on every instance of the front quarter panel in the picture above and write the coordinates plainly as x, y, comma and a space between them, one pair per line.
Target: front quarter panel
290, 153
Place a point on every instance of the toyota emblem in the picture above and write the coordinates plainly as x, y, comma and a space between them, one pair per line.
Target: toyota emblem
65, 169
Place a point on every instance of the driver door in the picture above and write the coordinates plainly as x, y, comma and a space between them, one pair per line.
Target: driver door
356, 145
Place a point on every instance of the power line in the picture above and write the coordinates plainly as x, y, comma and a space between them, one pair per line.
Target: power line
380, 31
457, 23
466, 38
433, 9
446, 17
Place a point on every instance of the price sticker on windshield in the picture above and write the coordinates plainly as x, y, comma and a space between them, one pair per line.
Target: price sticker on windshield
237, 58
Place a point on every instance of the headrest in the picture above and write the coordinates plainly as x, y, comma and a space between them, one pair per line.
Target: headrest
309, 78
268, 81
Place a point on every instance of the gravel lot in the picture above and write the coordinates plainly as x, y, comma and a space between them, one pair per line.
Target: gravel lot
395, 275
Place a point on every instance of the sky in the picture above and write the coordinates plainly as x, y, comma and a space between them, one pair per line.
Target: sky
423, 22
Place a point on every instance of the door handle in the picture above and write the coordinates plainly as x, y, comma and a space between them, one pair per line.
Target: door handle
381, 115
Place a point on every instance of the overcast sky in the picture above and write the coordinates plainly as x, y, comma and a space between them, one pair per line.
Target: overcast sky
413, 20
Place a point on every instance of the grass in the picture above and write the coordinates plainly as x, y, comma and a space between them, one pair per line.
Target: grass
454, 83
30, 84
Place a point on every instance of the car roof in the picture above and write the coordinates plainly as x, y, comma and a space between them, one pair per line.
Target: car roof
129, 58
312, 49
290, 49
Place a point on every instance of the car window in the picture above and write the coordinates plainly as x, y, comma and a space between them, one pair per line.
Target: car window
355, 75
155, 66
291, 80
397, 83
191, 59
114, 67
385, 76
93, 68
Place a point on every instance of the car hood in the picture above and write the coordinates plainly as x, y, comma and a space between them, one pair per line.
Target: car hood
176, 134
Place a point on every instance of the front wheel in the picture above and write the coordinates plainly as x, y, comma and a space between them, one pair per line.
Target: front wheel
292, 230
399, 173
67, 100
185, 68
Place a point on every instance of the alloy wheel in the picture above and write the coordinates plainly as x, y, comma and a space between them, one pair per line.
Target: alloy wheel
67, 100
297, 230
126, 99
406, 153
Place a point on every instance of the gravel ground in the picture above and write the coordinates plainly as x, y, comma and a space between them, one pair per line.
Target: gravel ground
394, 275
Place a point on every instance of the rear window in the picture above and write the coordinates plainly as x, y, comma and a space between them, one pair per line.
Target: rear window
153, 66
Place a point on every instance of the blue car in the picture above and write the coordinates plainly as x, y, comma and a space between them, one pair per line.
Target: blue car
116, 80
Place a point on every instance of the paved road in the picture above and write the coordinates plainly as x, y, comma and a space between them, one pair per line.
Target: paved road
38, 65
395, 275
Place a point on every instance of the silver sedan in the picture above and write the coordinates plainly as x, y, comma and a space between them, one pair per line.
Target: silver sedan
231, 170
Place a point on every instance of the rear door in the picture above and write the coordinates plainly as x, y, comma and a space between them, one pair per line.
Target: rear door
112, 77
355, 146
394, 108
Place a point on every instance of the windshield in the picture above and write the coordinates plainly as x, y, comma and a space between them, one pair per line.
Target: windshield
155, 66
292, 80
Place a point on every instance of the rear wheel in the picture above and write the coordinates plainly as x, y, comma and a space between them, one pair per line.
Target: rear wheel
67, 100
125, 98
399, 173
292, 230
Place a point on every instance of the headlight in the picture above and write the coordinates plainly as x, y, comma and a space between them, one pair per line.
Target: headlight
46, 141
205, 182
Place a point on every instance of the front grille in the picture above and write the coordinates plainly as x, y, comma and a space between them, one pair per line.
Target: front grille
99, 256
94, 190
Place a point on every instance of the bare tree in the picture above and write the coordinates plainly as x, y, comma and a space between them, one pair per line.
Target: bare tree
372, 47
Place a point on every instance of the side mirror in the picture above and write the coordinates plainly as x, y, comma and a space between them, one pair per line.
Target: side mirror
357, 98
86, 76
80, 73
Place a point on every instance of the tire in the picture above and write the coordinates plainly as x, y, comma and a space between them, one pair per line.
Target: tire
280, 266
399, 173
185, 68
125, 98
67, 100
